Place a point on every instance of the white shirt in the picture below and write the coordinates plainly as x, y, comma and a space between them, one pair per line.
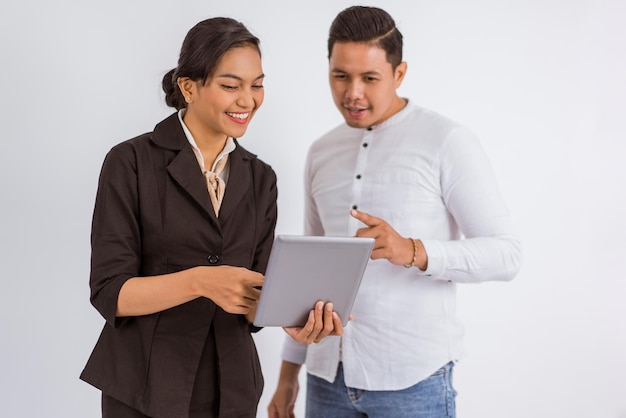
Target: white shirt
429, 178
228, 148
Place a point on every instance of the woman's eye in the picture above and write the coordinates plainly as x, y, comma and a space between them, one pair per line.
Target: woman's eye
227, 87
258, 86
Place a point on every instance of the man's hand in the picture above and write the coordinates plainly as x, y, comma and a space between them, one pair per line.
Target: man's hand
284, 400
388, 243
322, 322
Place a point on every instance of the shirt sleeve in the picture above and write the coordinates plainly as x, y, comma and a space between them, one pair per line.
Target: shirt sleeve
293, 351
490, 248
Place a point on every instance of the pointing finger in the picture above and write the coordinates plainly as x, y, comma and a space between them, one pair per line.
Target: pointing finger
364, 217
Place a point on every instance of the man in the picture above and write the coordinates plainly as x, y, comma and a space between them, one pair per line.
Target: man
421, 185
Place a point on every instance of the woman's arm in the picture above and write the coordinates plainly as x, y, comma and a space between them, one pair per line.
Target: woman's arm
231, 288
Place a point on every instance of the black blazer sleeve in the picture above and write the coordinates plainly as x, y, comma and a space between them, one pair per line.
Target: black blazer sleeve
115, 236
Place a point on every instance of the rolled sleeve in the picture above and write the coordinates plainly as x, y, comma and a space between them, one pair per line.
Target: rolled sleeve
115, 235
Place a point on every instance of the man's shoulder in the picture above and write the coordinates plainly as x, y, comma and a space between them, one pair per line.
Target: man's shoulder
434, 127
428, 116
335, 137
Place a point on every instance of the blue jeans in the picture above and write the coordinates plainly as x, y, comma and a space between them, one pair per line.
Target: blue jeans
430, 398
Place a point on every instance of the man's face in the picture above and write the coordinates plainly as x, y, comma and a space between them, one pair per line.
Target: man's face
363, 83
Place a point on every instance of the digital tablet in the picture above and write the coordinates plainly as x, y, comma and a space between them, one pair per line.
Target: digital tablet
305, 269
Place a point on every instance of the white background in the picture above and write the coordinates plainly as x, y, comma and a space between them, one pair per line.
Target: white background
540, 81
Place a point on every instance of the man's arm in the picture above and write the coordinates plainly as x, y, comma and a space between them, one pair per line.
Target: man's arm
490, 248
284, 400
389, 244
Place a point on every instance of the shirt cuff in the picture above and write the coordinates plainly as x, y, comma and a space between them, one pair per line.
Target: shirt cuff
436, 259
293, 351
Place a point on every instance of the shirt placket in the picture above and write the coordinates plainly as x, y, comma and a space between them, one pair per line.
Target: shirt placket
358, 178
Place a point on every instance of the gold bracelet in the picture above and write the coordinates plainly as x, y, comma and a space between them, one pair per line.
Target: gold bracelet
408, 266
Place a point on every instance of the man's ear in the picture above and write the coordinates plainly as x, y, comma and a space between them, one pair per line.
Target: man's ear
399, 73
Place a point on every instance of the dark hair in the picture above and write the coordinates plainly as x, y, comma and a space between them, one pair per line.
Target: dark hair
202, 48
369, 25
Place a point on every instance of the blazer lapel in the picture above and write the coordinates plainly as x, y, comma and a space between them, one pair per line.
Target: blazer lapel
185, 170
239, 183
184, 167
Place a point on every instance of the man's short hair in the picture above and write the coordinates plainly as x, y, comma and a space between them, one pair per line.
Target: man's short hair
369, 25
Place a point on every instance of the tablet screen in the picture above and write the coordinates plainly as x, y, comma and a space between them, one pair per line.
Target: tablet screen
304, 269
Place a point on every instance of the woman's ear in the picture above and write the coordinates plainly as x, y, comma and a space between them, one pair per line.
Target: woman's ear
187, 88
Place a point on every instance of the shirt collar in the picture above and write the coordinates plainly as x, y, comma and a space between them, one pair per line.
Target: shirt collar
401, 114
228, 147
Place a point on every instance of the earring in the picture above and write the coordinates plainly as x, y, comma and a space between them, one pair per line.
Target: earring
188, 99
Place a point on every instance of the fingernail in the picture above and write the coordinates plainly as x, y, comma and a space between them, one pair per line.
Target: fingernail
329, 307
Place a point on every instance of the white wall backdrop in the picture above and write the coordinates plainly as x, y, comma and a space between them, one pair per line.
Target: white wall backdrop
540, 81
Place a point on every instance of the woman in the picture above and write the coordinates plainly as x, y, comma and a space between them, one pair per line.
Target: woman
182, 229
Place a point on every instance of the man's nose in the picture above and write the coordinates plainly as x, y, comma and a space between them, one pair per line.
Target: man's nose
355, 90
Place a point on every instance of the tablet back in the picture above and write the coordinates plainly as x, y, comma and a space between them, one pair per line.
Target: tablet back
304, 269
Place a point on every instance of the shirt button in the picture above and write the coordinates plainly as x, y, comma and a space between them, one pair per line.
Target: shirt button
354, 207
365, 145
358, 176
213, 259
369, 128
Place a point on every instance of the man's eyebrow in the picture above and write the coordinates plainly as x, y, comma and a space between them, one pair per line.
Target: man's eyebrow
366, 73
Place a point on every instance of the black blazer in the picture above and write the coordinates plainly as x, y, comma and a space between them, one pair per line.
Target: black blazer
152, 216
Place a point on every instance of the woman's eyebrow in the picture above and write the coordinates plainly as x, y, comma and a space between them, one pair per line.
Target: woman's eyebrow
236, 77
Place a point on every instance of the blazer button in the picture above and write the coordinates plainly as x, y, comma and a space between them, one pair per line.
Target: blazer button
213, 259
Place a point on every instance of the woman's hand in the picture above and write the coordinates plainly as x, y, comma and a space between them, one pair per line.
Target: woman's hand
234, 289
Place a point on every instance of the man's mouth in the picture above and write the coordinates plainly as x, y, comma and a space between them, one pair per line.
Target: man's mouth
355, 112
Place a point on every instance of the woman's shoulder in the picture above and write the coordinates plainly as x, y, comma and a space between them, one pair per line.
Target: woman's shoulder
252, 157
167, 134
259, 167
129, 148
